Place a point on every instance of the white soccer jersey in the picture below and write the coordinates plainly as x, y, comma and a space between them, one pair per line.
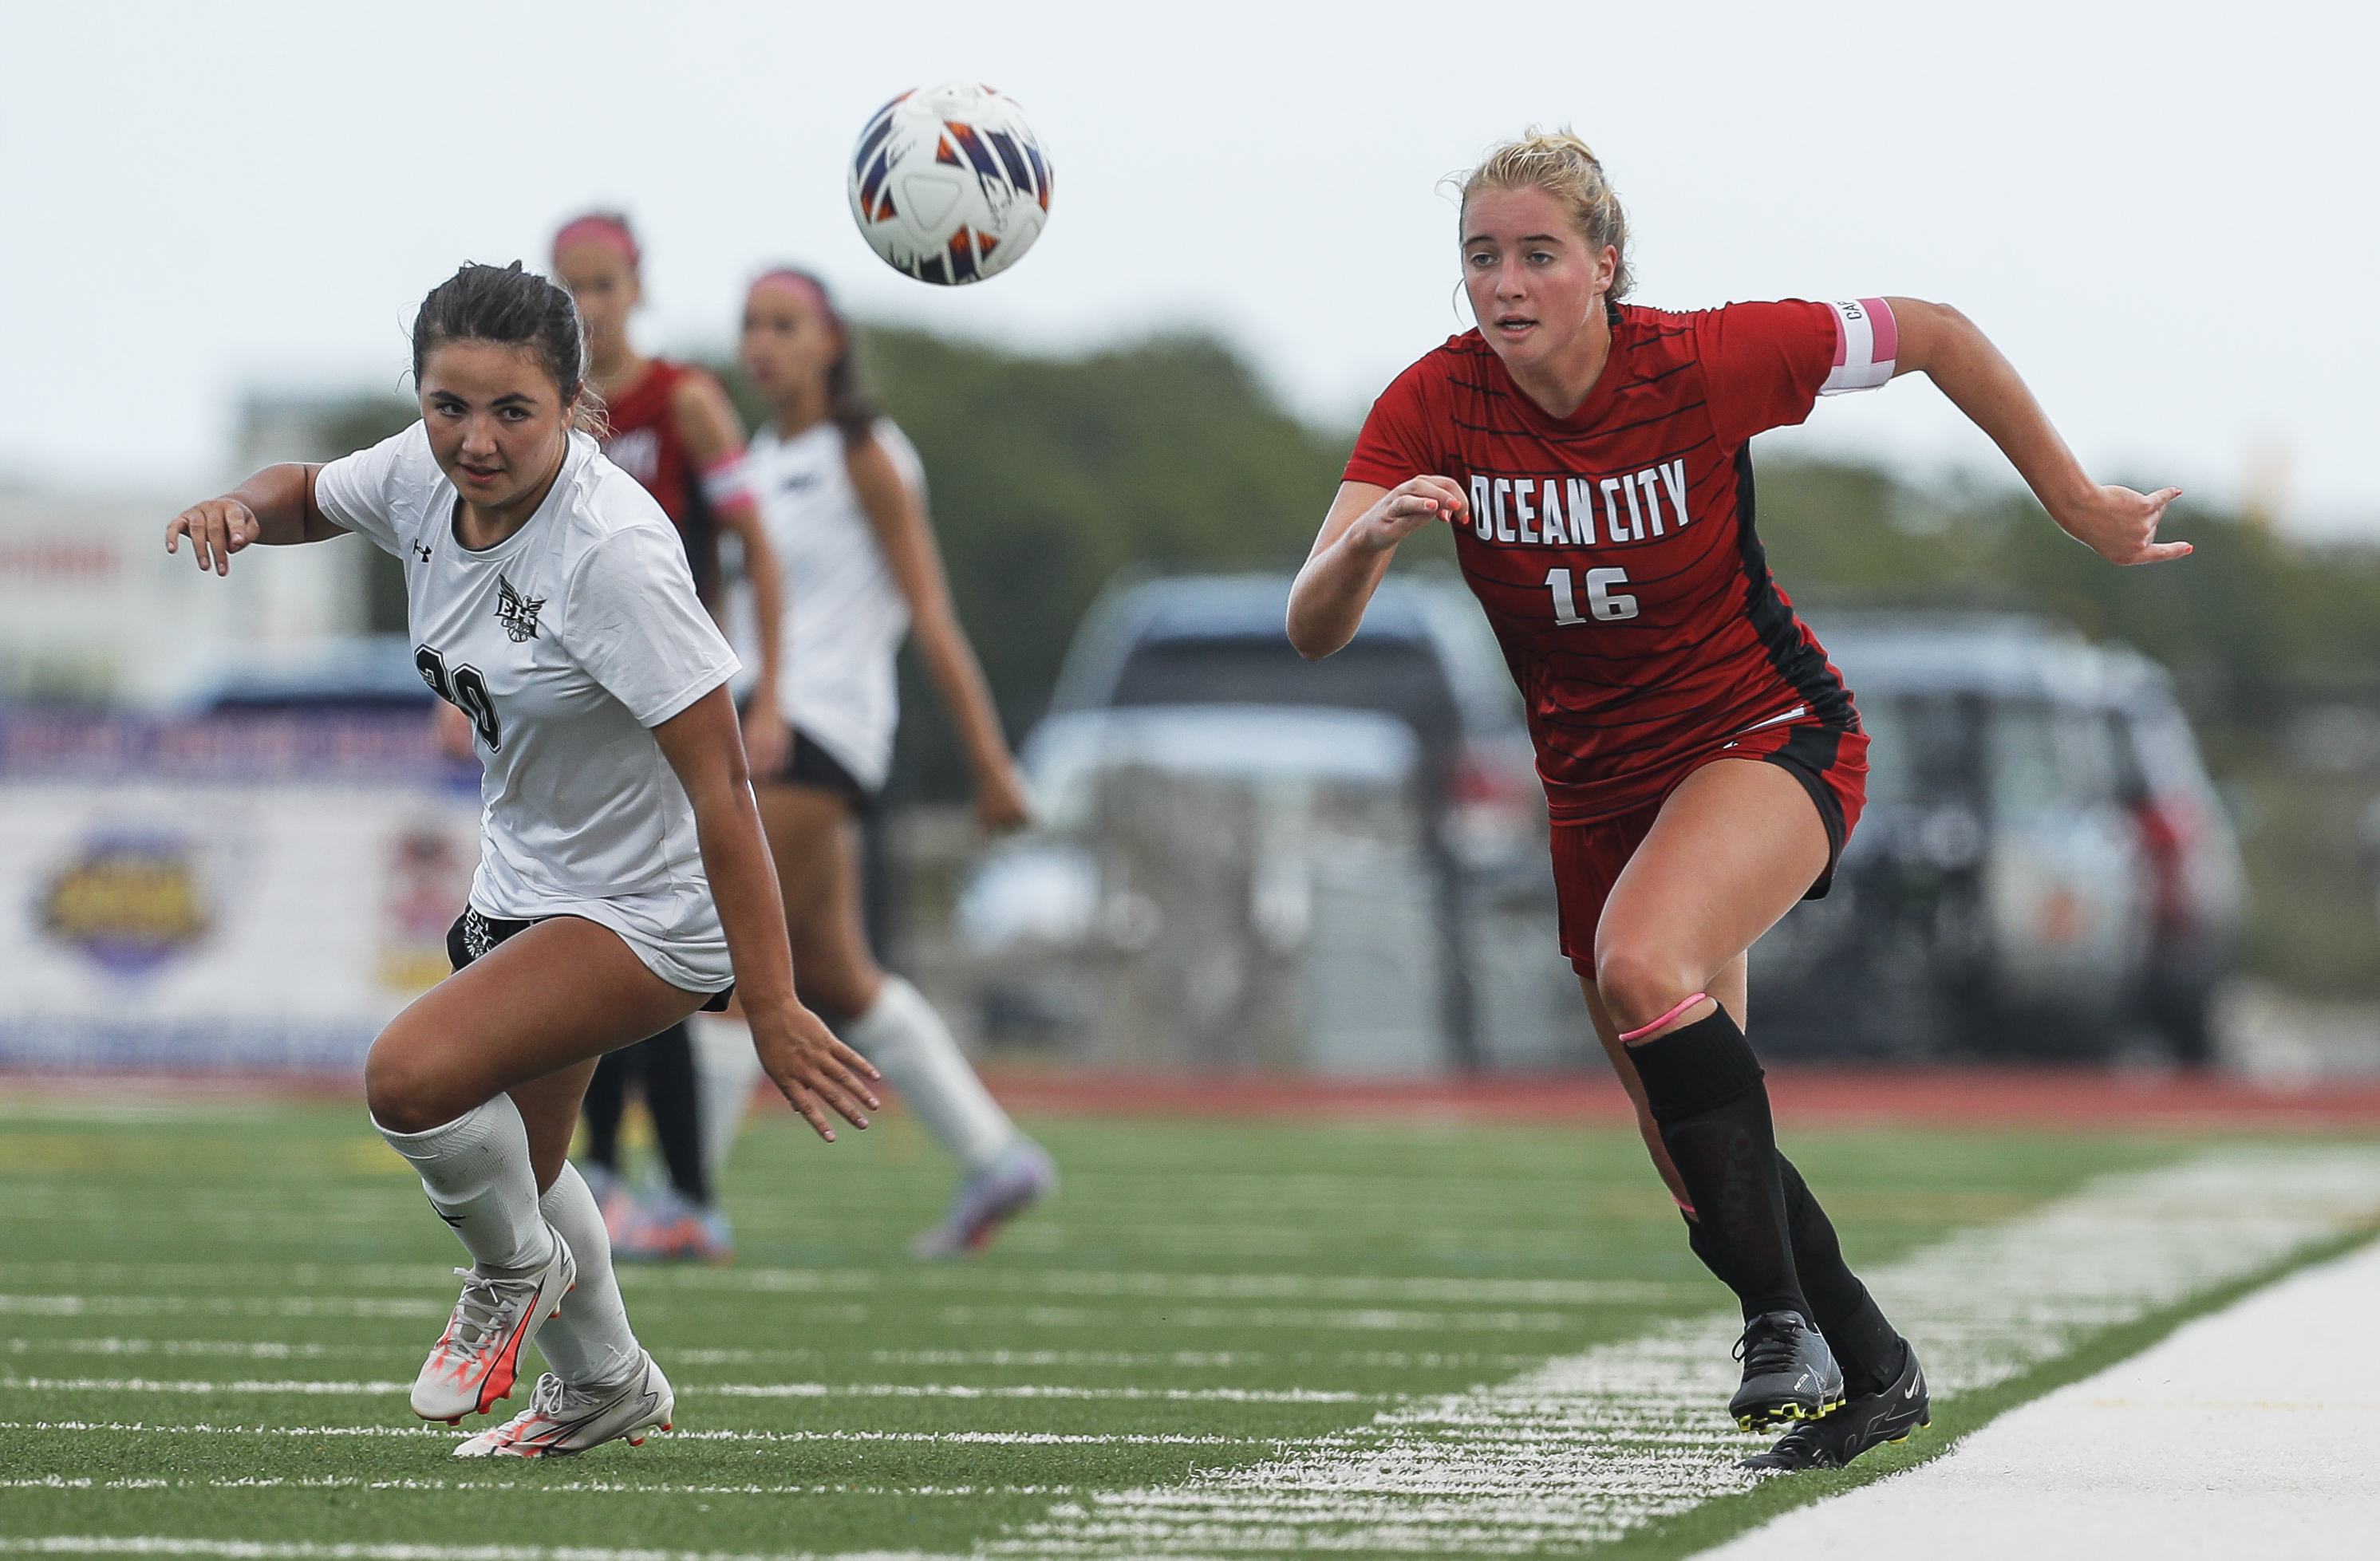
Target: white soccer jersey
564, 643
845, 613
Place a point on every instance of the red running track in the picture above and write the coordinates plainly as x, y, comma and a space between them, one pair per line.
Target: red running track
2078, 1099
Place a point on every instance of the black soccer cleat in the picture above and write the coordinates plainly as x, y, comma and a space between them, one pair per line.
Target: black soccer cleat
1789, 1373
1865, 1421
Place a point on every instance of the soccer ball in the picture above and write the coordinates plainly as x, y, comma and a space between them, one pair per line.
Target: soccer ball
949, 183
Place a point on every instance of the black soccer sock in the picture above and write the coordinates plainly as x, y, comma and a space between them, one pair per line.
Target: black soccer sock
1705, 1089
1864, 1344
674, 1099
607, 1097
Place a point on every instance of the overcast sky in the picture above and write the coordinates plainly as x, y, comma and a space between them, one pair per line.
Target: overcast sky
2162, 210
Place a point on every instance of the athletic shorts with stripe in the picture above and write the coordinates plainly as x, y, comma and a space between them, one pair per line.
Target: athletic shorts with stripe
1831, 764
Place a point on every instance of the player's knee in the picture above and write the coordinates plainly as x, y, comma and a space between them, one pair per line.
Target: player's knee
1639, 982
404, 1093
832, 980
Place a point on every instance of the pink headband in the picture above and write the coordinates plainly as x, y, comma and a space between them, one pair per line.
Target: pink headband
596, 228
812, 293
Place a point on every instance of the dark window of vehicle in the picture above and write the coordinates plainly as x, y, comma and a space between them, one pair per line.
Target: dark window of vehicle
1922, 749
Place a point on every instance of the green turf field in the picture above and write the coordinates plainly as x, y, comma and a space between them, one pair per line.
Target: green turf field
209, 1315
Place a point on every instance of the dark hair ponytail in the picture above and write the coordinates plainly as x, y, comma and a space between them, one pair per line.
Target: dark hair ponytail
511, 308
848, 406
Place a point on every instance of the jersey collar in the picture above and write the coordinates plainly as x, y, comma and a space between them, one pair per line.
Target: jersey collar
1598, 396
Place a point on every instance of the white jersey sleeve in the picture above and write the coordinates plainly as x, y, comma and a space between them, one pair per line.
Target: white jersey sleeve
358, 492
904, 455
634, 623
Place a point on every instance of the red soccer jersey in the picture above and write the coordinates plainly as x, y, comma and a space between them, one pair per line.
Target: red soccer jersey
1614, 548
643, 439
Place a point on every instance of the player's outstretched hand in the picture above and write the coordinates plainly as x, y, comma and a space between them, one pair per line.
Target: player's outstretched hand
2120, 526
217, 528
1405, 509
813, 1070
767, 743
1001, 803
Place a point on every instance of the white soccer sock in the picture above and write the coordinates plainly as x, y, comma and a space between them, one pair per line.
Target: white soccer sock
477, 1173
726, 1068
588, 1342
912, 1048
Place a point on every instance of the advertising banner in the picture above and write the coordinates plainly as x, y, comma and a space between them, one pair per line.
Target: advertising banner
250, 904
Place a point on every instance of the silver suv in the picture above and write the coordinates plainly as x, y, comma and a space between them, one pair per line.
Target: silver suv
2044, 868
1337, 864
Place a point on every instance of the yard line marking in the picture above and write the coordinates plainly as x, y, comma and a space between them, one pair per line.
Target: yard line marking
216, 1306
1371, 1319
983, 1438
1308, 1287
1589, 1447
262, 1550
1205, 1359
255, 1350
304, 1387
952, 1390
152, 1385
575, 1487
1068, 1282
1392, 1360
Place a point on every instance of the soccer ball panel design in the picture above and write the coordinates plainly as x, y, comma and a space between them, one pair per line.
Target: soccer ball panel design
949, 183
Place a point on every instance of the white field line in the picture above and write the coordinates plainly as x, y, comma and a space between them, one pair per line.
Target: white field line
218, 1306
303, 1387
1308, 1319
1305, 1319
575, 1487
261, 1550
1006, 1360
1592, 1446
247, 1349
968, 1438
1093, 1283
1389, 1359
2246, 1432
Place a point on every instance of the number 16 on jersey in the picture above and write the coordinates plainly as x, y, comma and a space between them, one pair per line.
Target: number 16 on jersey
1602, 606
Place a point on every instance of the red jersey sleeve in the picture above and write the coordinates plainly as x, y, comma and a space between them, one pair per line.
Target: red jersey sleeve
1396, 444
1765, 364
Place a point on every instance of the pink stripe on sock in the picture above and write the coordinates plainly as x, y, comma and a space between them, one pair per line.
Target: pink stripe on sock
1642, 1031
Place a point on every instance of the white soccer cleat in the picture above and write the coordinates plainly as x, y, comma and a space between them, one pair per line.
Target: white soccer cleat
562, 1419
477, 1358
1021, 1178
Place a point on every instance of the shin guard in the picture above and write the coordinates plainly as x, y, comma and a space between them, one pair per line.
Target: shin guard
1703, 1088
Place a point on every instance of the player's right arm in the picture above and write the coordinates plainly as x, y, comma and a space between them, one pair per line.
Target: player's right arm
1359, 538
276, 507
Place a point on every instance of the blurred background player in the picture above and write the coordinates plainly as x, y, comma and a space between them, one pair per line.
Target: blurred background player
672, 428
841, 492
1702, 761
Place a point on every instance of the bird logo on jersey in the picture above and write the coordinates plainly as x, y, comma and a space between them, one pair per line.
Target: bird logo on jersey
516, 612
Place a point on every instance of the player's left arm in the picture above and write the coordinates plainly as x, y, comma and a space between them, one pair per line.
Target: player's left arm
898, 519
2116, 523
715, 437
802, 1057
